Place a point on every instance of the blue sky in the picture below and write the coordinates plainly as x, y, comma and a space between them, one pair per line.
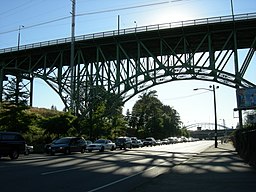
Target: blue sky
37, 17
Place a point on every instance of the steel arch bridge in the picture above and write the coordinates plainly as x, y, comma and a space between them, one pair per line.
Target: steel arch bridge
129, 61
207, 126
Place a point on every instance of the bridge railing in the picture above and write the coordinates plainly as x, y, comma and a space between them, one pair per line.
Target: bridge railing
194, 22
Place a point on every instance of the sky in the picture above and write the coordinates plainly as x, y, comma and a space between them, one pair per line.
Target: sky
43, 20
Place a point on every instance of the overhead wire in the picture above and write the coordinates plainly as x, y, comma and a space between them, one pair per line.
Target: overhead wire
92, 13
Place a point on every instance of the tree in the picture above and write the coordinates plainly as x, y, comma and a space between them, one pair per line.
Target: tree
58, 125
103, 115
14, 118
148, 112
152, 118
15, 93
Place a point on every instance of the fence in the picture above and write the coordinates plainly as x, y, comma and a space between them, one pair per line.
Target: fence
245, 145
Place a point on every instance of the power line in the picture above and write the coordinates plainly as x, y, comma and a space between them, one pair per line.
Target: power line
123, 8
17, 7
187, 96
88, 13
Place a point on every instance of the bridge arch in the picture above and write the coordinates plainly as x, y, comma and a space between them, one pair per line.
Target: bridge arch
130, 61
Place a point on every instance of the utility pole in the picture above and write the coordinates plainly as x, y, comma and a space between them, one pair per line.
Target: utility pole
213, 88
232, 9
21, 26
118, 24
72, 58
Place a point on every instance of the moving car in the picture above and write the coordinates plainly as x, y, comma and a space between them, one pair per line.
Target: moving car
12, 144
123, 142
67, 145
101, 145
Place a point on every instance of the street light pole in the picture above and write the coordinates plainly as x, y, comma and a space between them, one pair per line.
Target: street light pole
215, 115
213, 88
21, 26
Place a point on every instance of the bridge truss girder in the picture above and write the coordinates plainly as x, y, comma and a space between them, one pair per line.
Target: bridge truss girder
127, 66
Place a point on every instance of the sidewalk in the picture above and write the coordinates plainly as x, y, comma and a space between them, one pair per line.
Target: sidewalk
216, 169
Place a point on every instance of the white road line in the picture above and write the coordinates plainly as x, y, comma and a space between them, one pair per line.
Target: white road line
125, 178
60, 171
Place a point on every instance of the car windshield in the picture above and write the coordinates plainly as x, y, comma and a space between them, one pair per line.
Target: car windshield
100, 141
62, 141
120, 139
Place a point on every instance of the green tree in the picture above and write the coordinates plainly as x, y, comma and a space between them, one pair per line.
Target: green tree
148, 112
103, 115
59, 125
15, 93
152, 118
14, 118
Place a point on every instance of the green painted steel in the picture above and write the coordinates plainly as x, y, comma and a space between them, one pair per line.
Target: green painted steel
133, 60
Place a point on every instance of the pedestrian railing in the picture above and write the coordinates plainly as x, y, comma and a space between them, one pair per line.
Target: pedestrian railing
194, 22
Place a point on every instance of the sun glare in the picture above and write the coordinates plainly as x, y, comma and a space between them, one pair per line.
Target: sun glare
170, 14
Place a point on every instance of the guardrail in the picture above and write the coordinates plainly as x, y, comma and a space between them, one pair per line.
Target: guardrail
210, 20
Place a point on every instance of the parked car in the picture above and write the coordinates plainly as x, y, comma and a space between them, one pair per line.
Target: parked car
137, 143
149, 141
47, 147
159, 142
12, 144
28, 149
123, 142
101, 145
68, 145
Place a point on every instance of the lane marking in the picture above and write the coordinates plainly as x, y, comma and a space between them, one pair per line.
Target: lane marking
125, 178
60, 171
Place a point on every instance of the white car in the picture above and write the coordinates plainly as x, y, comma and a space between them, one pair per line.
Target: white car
101, 145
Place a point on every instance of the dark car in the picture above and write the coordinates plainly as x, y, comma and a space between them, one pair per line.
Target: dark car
67, 145
47, 147
12, 144
123, 142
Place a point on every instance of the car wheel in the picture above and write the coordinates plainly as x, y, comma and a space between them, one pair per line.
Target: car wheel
82, 150
26, 152
112, 148
102, 149
67, 151
14, 154
89, 150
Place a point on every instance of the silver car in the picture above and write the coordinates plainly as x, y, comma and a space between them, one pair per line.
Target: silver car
101, 145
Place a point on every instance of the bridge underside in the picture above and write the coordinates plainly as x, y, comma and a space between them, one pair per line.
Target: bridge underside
127, 64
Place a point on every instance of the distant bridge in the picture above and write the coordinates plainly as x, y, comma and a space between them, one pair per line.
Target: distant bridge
206, 126
128, 61
207, 130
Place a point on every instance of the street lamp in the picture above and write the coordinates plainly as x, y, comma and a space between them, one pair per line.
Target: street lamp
212, 88
21, 26
135, 22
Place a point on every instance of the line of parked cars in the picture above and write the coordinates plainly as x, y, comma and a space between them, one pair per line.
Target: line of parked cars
68, 145
12, 144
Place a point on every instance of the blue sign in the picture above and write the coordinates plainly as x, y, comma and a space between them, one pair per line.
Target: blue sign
246, 98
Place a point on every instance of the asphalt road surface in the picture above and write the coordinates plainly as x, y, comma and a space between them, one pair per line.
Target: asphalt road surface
119, 170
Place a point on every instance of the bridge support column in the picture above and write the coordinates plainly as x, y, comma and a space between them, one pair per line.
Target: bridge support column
1, 83
31, 91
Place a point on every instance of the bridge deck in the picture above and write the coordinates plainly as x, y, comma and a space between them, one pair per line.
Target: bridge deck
193, 31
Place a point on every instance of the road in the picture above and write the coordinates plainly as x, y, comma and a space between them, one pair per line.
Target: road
117, 170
